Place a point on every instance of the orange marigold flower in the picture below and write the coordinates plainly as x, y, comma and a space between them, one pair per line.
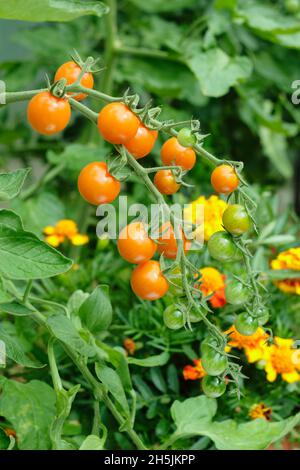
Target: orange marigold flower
64, 229
129, 345
194, 372
209, 219
213, 282
282, 359
289, 259
254, 345
260, 410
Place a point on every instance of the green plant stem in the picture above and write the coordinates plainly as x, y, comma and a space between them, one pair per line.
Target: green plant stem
147, 52
46, 178
12, 97
142, 174
98, 389
87, 112
110, 46
27, 291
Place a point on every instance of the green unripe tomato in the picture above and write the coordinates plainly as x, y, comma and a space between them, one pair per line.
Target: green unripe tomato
213, 387
186, 138
175, 285
292, 6
262, 316
236, 293
212, 361
236, 220
221, 247
195, 317
173, 317
245, 324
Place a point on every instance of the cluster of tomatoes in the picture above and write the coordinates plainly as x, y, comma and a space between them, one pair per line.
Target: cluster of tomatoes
118, 125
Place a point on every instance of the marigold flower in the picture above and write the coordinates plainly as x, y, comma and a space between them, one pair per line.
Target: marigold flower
194, 372
260, 410
64, 229
129, 345
254, 345
282, 359
289, 259
210, 220
213, 282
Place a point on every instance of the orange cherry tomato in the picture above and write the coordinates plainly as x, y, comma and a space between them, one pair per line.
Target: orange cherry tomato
142, 143
165, 182
224, 179
167, 244
172, 153
47, 114
134, 245
117, 124
70, 71
148, 282
96, 185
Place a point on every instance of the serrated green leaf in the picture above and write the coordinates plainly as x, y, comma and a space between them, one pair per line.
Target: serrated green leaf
49, 10
25, 256
92, 442
194, 417
11, 183
217, 72
30, 408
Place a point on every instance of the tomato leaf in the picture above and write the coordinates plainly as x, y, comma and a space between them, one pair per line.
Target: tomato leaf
194, 417
25, 256
112, 382
63, 329
92, 442
96, 310
30, 412
11, 183
152, 361
15, 308
49, 10
13, 346
217, 72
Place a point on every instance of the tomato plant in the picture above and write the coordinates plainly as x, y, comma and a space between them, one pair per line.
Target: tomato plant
165, 182
97, 185
213, 387
134, 244
224, 179
71, 72
117, 124
174, 317
236, 293
246, 324
121, 342
236, 220
222, 248
148, 282
47, 114
174, 153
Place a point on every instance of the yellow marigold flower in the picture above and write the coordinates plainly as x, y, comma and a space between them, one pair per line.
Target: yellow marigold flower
289, 259
65, 228
79, 239
254, 345
194, 372
129, 345
282, 359
213, 209
260, 410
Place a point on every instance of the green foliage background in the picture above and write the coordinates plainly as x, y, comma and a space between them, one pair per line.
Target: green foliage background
228, 63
